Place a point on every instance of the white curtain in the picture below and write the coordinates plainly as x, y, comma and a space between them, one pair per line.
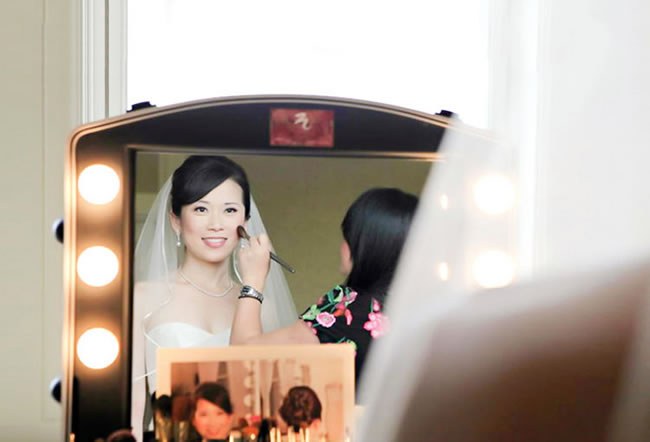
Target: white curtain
570, 94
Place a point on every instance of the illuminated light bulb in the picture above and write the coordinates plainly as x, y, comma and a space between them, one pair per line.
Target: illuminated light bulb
443, 271
493, 268
97, 266
494, 194
97, 348
444, 202
98, 184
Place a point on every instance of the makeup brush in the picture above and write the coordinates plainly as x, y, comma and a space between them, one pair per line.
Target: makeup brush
244, 234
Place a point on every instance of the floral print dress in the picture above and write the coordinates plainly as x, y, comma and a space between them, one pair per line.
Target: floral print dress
343, 316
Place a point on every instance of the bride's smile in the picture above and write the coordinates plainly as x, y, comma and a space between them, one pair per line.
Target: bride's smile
208, 227
214, 243
184, 293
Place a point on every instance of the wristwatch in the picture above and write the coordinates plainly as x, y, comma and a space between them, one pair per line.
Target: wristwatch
249, 292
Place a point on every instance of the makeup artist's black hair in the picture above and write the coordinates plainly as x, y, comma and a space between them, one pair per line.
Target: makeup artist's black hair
198, 175
375, 227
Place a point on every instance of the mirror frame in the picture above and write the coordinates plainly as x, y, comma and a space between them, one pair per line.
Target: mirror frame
98, 401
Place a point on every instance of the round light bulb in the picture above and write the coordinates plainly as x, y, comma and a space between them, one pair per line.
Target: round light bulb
97, 348
98, 184
493, 268
443, 271
97, 266
494, 194
444, 202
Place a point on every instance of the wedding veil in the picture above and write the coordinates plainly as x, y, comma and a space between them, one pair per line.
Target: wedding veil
157, 257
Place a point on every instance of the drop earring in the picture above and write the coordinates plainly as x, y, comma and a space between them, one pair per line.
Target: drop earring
178, 239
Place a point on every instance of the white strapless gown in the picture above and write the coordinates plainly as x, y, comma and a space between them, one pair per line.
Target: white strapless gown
178, 335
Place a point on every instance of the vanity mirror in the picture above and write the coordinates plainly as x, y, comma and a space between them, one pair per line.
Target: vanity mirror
306, 157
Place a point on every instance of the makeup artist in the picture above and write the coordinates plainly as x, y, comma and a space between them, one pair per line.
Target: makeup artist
374, 230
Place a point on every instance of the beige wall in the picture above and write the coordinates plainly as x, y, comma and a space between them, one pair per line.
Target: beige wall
39, 100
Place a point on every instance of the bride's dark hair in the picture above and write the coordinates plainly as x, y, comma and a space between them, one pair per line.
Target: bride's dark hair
198, 175
375, 227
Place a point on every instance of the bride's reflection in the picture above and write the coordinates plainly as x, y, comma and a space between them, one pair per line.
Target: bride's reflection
185, 291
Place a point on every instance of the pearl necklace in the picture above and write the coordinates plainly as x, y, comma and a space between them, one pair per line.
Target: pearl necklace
204, 291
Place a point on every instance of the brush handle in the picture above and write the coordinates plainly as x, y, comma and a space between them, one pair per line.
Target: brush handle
284, 264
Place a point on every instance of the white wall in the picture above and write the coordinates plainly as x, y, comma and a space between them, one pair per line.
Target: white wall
38, 93
593, 147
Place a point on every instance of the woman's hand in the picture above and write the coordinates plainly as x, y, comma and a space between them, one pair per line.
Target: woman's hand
254, 260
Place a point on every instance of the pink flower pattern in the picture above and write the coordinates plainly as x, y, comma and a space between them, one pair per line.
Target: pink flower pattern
377, 324
325, 319
338, 302
348, 317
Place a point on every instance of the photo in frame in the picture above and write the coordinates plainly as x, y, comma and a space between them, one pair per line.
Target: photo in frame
276, 393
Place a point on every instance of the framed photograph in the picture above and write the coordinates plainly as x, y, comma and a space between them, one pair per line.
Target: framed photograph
274, 393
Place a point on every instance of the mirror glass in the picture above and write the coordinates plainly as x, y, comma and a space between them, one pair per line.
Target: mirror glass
302, 201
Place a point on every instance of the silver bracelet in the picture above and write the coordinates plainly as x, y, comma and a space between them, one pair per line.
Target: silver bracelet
249, 292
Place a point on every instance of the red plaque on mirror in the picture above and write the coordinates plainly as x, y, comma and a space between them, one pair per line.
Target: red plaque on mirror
302, 127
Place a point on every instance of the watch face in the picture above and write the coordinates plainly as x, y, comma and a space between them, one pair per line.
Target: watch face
250, 291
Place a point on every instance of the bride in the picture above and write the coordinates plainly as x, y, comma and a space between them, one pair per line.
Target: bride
186, 282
